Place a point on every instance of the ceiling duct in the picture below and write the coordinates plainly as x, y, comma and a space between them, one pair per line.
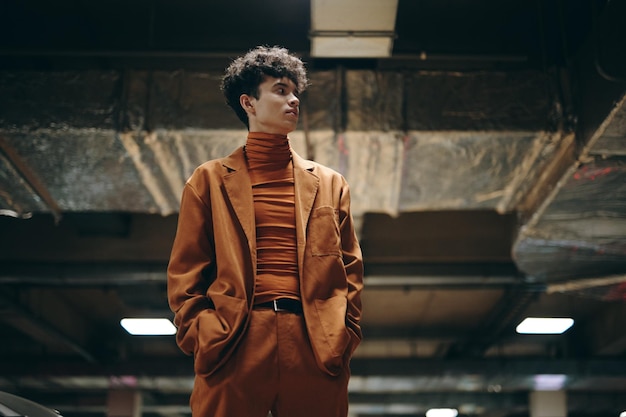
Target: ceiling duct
353, 28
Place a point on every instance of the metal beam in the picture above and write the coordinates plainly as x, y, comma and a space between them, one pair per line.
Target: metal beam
30, 177
509, 309
16, 315
490, 367
446, 276
94, 401
181, 366
82, 274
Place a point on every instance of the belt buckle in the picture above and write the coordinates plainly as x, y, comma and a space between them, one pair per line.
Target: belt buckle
276, 308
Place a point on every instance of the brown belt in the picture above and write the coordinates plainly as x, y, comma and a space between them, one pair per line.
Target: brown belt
286, 305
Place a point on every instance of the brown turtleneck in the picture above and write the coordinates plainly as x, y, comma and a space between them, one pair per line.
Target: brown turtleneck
271, 172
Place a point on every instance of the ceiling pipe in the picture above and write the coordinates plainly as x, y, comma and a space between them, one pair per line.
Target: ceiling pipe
24, 321
30, 177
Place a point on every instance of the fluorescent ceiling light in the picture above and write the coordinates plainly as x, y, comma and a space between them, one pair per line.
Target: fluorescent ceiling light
442, 412
148, 327
544, 325
549, 382
385, 409
351, 46
622, 414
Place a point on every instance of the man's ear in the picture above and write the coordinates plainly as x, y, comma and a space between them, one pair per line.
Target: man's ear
247, 103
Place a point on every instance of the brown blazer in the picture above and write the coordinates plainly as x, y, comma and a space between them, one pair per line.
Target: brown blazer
213, 262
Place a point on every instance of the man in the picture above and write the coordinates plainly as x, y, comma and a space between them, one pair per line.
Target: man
266, 271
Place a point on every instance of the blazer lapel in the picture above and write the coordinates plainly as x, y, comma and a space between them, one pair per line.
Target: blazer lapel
305, 190
239, 191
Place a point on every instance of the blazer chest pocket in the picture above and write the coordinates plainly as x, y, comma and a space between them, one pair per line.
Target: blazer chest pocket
323, 232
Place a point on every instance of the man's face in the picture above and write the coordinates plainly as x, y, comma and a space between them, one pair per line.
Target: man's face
276, 109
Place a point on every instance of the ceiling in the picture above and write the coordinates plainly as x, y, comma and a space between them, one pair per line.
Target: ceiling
487, 163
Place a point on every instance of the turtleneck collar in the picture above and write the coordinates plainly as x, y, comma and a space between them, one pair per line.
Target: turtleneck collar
267, 147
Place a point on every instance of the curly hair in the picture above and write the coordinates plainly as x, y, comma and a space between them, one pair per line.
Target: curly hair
245, 73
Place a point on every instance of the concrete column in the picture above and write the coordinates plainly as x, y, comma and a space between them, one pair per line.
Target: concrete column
123, 403
548, 404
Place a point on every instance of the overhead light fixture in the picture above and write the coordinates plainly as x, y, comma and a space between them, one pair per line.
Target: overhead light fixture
13, 213
442, 412
351, 45
353, 28
544, 325
548, 382
148, 326
622, 414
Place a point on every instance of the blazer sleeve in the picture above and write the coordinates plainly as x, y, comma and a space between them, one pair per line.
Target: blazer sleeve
190, 268
353, 264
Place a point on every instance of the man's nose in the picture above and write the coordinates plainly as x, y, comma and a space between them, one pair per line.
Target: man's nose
294, 101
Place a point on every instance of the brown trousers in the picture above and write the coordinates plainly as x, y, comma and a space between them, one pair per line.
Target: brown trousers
272, 369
